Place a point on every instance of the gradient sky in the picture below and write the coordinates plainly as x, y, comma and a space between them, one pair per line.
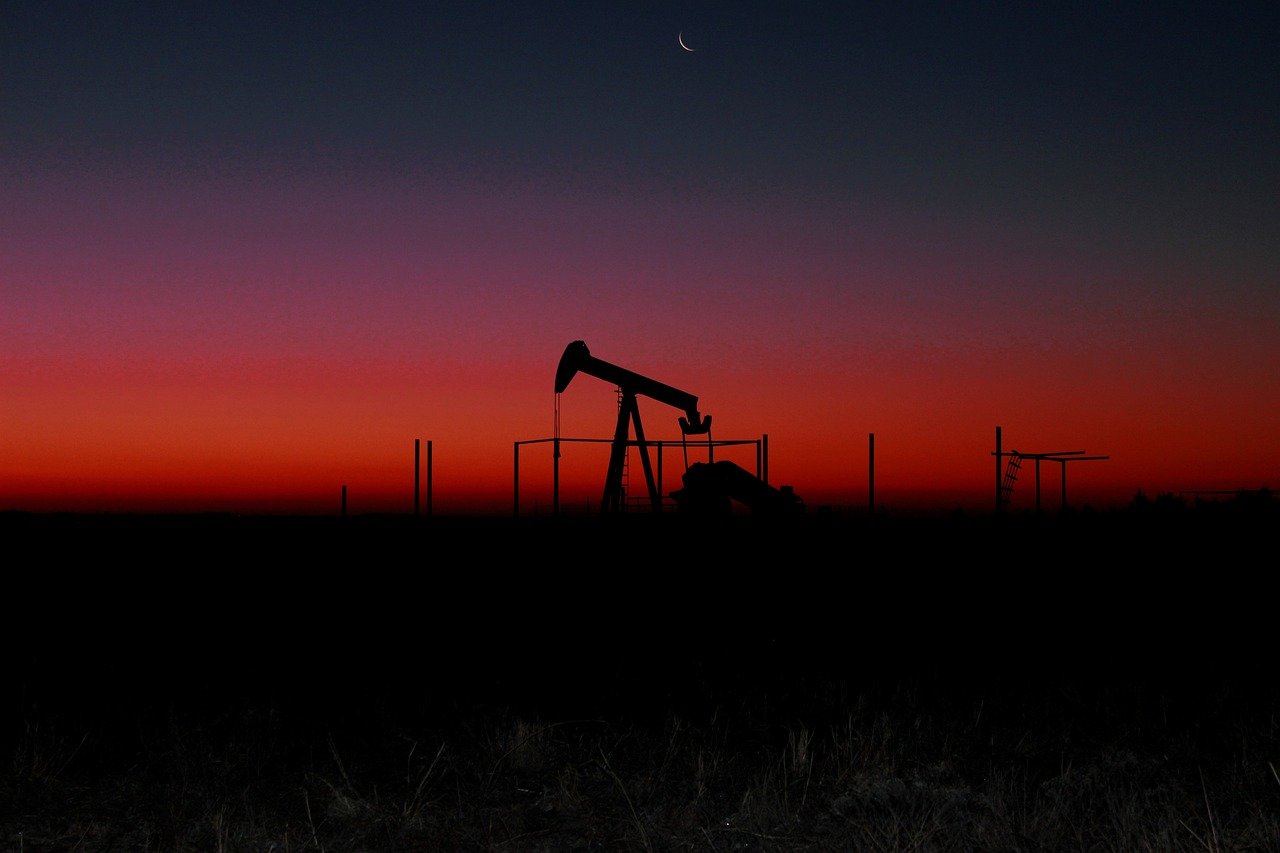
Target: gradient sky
250, 252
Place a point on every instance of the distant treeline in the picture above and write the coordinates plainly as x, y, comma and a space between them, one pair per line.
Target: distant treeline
1241, 500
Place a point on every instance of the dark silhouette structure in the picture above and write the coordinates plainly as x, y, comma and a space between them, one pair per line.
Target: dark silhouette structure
871, 473
712, 487
707, 486
417, 476
1007, 472
761, 446
578, 359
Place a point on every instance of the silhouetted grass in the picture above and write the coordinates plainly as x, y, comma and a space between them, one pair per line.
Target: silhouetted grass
912, 684
905, 767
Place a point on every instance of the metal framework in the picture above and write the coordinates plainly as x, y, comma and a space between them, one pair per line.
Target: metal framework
1007, 474
761, 446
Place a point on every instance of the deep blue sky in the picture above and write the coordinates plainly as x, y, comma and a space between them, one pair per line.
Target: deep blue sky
1165, 111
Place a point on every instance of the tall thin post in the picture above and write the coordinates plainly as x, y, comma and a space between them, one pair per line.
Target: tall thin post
515, 481
660, 495
765, 475
1037, 484
555, 477
871, 473
998, 459
429, 484
417, 473
344, 501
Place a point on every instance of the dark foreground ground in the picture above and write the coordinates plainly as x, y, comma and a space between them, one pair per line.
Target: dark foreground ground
1078, 681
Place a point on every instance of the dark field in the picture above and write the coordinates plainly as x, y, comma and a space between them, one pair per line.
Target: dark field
218, 682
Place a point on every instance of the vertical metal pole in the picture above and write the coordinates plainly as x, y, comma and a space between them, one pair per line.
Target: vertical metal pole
1064, 484
417, 473
998, 466
344, 501
660, 494
515, 481
871, 473
430, 488
555, 478
765, 475
1037, 485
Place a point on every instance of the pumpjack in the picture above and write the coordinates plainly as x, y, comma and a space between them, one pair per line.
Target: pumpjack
578, 359
707, 486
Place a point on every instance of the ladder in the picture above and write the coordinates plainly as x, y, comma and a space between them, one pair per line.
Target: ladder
1010, 477
626, 465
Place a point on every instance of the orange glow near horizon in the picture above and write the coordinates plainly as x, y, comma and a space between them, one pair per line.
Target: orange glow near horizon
99, 437
171, 355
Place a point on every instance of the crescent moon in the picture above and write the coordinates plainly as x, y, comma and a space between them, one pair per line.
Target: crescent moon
680, 39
